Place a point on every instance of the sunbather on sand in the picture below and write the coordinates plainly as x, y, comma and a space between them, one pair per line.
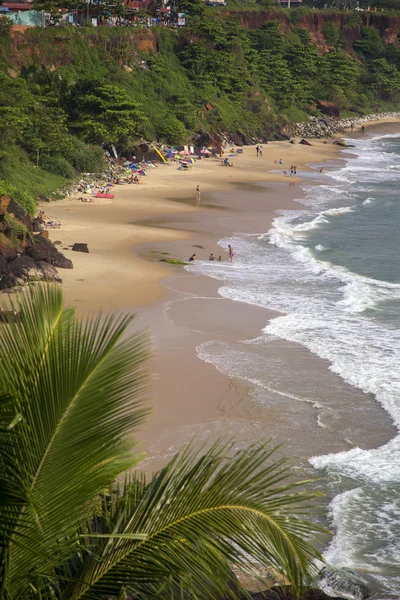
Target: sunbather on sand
42, 215
53, 224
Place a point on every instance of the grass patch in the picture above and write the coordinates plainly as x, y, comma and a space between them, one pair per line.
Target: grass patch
28, 180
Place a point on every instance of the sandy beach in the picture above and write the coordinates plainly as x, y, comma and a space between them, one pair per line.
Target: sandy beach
114, 276
127, 237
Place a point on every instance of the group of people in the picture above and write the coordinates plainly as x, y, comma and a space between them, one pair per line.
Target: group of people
259, 150
192, 259
46, 222
293, 171
134, 179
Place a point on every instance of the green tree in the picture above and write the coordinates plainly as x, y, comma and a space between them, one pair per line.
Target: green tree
339, 77
192, 7
384, 79
105, 114
71, 393
276, 78
370, 44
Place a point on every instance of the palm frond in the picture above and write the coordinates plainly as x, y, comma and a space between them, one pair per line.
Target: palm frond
78, 388
200, 513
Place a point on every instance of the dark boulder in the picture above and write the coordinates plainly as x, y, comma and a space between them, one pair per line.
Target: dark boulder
48, 272
343, 581
41, 249
20, 214
7, 280
8, 251
247, 141
37, 225
281, 137
79, 247
305, 143
22, 266
236, 139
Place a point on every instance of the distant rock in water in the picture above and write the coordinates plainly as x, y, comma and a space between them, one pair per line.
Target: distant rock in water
24, 255
343, 583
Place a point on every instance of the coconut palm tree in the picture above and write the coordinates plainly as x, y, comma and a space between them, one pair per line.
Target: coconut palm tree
71, 395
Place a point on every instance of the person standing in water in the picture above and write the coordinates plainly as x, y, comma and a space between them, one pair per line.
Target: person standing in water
230, 252
198, 196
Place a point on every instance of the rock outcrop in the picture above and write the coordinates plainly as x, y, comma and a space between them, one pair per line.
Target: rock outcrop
25, 256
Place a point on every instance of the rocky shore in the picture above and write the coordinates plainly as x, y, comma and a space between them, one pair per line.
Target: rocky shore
26, 253
328, 127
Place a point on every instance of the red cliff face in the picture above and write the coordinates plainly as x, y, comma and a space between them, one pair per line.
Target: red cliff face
388, 27
26, 46
26, 43
314, 22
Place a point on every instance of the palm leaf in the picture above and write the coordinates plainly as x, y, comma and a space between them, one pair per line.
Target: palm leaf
198, 514
78, 388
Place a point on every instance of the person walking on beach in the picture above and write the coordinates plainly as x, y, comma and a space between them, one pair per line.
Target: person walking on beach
294, 171
291, 170
258, 150
230, 252
212, 257
198, 196
362, 129
192, 258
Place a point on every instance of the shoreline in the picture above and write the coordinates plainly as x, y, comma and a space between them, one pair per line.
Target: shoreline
113, 275
190, 396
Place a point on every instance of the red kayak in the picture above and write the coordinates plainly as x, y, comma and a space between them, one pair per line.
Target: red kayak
104, 195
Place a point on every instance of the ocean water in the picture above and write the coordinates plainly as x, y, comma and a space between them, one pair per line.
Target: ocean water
332, 269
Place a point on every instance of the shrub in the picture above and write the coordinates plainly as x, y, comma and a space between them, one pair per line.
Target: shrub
170, 130
58, 165
85, 158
